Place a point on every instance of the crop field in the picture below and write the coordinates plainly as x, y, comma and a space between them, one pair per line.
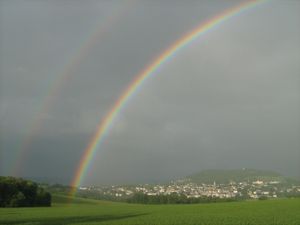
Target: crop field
90, 212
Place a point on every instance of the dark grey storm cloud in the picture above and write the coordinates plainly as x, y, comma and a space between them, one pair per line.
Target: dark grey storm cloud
231, 99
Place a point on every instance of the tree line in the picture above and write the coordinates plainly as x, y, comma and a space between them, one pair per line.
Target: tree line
17, 192
174, 198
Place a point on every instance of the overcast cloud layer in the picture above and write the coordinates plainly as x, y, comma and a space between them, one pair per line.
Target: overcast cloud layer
231, 99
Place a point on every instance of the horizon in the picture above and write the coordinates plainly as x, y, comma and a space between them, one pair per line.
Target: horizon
59, 180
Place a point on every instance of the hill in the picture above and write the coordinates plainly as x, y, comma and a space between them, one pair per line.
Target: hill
238, 175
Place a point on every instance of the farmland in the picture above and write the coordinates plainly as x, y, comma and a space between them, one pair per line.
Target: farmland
90, 212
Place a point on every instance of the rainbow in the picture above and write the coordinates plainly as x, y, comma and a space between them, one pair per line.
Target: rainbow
52, 92
105, 125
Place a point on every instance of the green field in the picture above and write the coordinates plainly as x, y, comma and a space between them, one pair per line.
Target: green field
89, 212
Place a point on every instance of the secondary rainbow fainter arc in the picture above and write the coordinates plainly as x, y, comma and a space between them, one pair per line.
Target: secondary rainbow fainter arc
53, 91
104, 126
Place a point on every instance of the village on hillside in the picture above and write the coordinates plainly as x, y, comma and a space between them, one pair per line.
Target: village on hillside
248, 190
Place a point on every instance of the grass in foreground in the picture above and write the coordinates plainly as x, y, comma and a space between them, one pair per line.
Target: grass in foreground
91, 212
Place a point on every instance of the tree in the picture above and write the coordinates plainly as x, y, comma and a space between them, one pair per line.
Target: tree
17, 192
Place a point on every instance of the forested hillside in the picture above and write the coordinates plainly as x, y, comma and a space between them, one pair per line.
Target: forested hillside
247, 175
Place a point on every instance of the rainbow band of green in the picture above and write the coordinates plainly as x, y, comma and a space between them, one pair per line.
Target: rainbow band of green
107, 123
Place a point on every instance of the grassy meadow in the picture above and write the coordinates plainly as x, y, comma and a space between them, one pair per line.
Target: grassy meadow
90, 212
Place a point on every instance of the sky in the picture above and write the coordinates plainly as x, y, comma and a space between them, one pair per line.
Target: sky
230, 99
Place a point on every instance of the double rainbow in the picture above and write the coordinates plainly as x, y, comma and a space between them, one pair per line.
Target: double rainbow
108, 121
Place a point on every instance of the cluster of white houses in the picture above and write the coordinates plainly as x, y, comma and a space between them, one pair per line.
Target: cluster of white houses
255, 189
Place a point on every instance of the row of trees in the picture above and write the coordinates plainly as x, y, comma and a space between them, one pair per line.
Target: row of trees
17, 192
173, 199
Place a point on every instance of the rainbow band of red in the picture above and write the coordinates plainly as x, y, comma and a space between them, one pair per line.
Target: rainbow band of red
105, 125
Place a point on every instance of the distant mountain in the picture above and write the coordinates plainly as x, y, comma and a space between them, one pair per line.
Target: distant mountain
239, 175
